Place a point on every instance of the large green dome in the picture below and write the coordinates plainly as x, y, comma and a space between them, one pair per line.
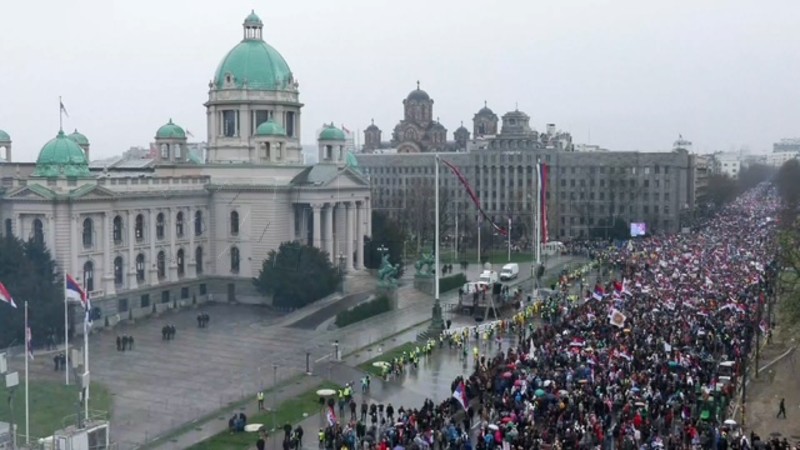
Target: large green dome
61, 157
170, 131
255, 63
4, 137
331, 133
270, 128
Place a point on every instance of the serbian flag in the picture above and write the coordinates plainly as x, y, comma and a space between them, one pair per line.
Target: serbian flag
474, 197
460, 394
599, 292
29, 342
331, 415
73, 291
5, 297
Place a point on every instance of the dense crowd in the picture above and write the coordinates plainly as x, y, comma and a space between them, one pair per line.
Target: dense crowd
649, 358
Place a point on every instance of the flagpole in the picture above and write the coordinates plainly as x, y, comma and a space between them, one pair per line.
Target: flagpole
60, 115
436, 234
538, 214
509, 239
28, 353
66, 331
86, 379
479, 239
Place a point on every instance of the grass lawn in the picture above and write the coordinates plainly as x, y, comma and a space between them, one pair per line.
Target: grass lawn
494, 257
50, 405
293, 411
386, 356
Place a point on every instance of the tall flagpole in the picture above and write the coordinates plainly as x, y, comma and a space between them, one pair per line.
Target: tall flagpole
86, 379
509, 239
436, 234
60, 117
538, 214
66, 331
456, 246
28, 352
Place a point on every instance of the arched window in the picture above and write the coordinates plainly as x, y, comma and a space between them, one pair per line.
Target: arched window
161, 265
117, 229
118, 271
181, 266
198, 223
234, 260
198, 260
38, 232
139, 227
234, 223
160, 226
140, 267
179, 224
88, 233
88, 276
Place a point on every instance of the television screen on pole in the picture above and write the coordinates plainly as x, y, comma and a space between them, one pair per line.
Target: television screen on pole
638, 229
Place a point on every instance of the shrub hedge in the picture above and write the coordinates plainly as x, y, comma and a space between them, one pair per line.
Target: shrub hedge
363, 311
451, 282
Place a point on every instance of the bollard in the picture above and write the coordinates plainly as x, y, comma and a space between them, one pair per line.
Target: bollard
308, 363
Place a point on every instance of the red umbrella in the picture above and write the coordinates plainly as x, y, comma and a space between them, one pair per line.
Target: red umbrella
508, 375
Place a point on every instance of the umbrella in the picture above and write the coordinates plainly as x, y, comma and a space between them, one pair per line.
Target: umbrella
730, 422
399, 424
326, 392
538, 393
494, 427
518, 383
563, 392
380, 364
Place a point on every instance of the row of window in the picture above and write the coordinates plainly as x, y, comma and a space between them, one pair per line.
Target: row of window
161, 266
144, 301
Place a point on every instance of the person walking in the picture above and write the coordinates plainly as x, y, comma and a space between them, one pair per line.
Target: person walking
781, 409
260, 398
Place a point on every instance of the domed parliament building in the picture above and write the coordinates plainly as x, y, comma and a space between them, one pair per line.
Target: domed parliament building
172, 230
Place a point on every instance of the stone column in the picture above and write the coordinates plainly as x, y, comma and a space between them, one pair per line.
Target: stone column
188, 255
360, 235
151, 235
130, 222
329, 232
348, 234
368, 216
291, 224
19, 228
172, 223
108, 266
51, 236
316, 219
73, 244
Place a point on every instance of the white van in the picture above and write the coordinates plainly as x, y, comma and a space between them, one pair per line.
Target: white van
553, 248
489, 277
509, 271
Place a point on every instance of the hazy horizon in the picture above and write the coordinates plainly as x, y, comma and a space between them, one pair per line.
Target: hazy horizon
622, 74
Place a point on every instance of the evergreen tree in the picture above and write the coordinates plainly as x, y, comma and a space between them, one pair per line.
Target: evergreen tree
29, 273
387, 233
297, 275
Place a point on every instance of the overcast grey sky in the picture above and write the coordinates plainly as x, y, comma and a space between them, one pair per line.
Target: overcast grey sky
631, 74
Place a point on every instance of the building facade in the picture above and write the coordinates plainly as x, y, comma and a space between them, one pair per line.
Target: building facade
589, 192
148, 234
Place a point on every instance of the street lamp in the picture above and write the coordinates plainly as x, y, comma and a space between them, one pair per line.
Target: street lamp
274, 401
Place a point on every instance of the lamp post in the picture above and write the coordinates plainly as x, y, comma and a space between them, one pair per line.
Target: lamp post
274, 402
382, 250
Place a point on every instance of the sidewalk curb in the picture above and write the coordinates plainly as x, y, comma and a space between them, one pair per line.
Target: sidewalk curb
761, 369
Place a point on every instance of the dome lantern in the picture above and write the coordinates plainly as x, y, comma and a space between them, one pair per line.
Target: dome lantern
331, 144
171, 143
252, 27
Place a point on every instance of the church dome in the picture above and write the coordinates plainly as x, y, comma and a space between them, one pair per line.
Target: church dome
270, 128
253, 64
462, 128
331, 133
4, 137
79, 138
486, 111
170, 131
61, 157
418, 95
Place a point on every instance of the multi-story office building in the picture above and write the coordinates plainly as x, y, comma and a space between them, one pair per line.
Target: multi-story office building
787, 145
588, 191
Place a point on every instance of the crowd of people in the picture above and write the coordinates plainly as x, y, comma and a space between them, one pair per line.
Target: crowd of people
650, 358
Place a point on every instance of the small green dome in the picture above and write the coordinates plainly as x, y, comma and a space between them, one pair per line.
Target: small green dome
270, 128
253, 20
254, 64
4, 137
79, 138
331, 133
170, 131
61, 157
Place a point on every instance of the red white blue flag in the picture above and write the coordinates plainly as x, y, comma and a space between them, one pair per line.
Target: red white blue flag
74, 291
331, 415
474, 197
5, 297
460, 394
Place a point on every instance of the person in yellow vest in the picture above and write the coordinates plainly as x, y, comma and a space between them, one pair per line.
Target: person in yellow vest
260, 398
321, 438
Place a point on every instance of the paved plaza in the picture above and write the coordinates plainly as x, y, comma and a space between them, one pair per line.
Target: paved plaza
161, 386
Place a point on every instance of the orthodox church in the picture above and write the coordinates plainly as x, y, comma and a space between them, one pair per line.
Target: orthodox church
149, 235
